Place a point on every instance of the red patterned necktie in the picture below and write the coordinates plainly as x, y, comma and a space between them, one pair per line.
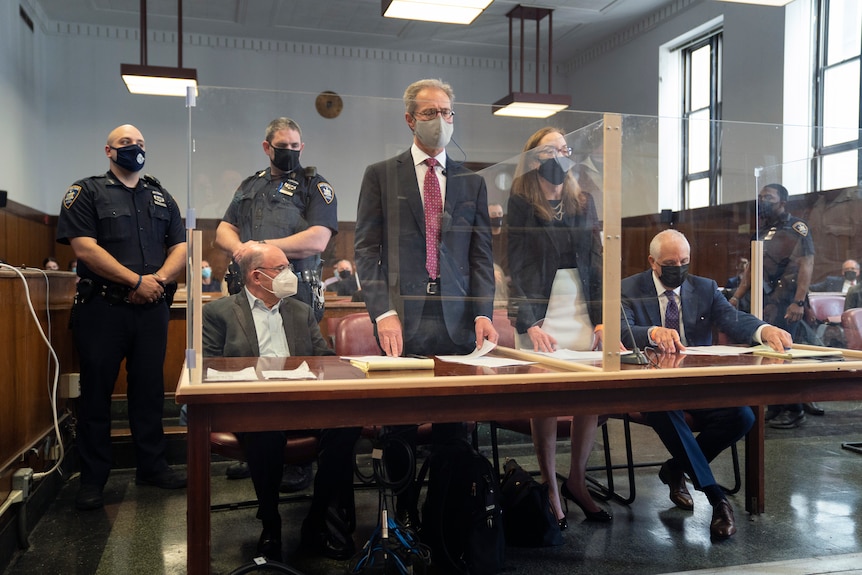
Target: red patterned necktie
671, 313
433, 205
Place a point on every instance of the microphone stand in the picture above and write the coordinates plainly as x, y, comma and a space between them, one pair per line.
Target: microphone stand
636, 357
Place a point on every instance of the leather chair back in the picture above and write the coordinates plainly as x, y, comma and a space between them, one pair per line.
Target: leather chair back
824, 306
851, 321
504, 327
354, 335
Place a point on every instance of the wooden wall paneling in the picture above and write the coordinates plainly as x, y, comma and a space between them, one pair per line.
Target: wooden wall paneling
25, 412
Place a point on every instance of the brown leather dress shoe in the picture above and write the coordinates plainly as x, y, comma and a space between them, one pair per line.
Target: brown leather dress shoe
723, 524
675, 479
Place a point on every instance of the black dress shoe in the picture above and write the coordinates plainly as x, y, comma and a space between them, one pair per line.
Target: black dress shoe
563, 524
600, 516
269, 544
89, 497
771, 413
237, 470
317, 539
167, 479
813, 409
788, 420
296, 478
723, 524
675, 480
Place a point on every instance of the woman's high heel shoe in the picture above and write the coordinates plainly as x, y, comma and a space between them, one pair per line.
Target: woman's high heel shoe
600, 516
563, 524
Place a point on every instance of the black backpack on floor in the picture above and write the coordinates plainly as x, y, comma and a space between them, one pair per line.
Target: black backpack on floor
461, 517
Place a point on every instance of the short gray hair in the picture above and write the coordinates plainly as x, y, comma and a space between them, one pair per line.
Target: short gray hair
416, 87
660, 238
279, 124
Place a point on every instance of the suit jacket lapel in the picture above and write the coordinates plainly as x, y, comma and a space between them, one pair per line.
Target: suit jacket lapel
289, 331
689, 312
408, 187
651, 304
246, 322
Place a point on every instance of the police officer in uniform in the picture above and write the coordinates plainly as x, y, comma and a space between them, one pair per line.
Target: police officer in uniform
128, 237
293, 208
287, 205
788, 264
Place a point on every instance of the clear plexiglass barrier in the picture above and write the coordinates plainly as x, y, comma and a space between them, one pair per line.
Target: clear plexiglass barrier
562, 237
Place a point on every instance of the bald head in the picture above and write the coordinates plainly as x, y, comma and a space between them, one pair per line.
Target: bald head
125, 135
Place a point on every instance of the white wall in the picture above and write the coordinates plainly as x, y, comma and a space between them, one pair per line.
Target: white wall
627, 80
61, 93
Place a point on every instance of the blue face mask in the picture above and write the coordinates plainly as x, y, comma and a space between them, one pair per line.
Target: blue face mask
206, 273
130, 157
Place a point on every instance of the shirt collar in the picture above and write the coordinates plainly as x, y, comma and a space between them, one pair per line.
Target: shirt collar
419, 156
253, 301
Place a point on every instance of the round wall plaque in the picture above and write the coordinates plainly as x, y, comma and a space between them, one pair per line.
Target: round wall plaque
328, 104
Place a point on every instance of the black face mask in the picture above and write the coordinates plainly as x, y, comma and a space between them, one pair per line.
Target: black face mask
130, 157
673, 276
850, 276
555, 169
344, 274
496, 222
285, 159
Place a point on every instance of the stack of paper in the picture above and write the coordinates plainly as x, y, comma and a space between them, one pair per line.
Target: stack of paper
374, 363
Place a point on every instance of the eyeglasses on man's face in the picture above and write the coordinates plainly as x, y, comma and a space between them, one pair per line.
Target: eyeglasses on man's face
276, 269
431, 113
549, 151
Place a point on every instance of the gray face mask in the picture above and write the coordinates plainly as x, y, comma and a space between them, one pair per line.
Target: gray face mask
434, 134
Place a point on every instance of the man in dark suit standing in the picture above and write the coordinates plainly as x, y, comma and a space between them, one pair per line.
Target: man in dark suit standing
666, 308
263, 320
423, 247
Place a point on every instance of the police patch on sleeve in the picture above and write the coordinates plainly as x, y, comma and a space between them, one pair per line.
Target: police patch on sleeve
801, 228
71, 195
326, 191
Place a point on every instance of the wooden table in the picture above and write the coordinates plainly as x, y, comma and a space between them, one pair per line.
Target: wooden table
344, 396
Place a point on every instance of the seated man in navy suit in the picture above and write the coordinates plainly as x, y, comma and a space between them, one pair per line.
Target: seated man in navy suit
666, 308
263, 320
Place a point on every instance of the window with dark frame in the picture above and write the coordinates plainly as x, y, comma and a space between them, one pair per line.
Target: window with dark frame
701, 161
838, 97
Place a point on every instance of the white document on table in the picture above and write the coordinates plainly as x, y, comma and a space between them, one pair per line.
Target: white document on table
301, 372
717, 350
477, 358
247, 374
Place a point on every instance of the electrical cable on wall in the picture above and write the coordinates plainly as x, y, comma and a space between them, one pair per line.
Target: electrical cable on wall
52, 356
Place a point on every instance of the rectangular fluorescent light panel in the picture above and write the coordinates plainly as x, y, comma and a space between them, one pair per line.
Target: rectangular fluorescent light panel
761, 2
445, 11
159, 80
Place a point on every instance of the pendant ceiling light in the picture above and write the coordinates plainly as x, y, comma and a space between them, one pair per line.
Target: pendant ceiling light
530, 104
445, 11
159, 80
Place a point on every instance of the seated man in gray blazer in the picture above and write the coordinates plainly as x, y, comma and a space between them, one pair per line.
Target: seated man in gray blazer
246, 325
666, 308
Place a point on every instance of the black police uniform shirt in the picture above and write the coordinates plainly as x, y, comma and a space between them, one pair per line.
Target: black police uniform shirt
784, 241
135, 226
266, 207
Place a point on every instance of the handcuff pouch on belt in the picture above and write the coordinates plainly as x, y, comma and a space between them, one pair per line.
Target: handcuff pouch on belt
312, 278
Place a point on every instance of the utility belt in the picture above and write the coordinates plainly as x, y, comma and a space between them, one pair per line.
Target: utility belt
117, 294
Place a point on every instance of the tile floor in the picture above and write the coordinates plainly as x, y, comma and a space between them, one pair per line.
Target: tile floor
812, 523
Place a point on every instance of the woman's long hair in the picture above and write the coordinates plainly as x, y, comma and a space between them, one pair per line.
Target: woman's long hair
526, 182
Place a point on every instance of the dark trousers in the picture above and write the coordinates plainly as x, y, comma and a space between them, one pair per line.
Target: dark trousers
104, 335
430, 338
720, 428
333, 484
